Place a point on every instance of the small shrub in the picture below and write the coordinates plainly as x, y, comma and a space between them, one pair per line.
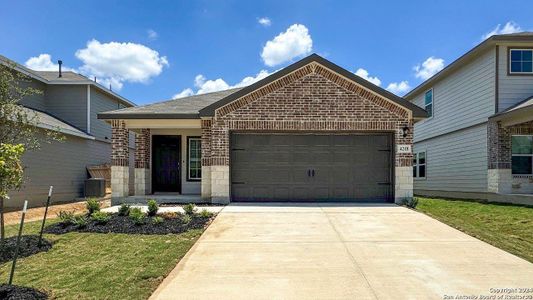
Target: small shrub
409, 202
80, 221
137, 216
189, 209
100, 217
124, 209
204, 213
186, 219
66, 217
152, 207
92, 206
157, 220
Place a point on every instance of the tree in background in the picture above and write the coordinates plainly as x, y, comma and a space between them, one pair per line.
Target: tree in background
18, 131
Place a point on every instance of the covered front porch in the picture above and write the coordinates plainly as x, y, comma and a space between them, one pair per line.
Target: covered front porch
168, 164
510, 150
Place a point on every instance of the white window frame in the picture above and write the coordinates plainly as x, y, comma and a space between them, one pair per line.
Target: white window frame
509, 61
189, 139
417, 164
432, 102
526, 155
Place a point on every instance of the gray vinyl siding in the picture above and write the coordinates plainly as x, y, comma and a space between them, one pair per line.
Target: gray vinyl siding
455, 161
460, 100
68, 103
61, 164
515, 88
37, 100
100, 103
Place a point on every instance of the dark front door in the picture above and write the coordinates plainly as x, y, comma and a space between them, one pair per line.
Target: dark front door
321, 167
166, 165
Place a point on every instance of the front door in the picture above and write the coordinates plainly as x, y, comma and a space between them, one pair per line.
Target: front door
166, 167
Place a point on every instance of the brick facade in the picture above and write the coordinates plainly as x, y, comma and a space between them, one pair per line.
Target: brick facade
312, 98
119, 143
499, 142
142, 149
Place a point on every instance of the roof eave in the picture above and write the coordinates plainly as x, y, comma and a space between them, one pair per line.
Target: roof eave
132, 116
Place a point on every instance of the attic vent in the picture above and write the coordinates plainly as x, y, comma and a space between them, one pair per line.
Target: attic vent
60, 62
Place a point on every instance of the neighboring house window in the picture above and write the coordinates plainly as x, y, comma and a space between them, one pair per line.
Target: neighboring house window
521, 61
194, 158
419, 165
522, 158
428, 102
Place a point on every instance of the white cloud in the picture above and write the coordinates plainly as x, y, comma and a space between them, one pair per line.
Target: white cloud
185, 93
43, 62
264, 21
208, 86
364, 74
152, 34
117, 63
429, 68
398, 88
292, 43
509, 27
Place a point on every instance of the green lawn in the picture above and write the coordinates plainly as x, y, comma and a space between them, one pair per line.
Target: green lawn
100, 266
508, 227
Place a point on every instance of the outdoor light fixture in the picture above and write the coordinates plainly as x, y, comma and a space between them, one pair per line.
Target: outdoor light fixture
405, 131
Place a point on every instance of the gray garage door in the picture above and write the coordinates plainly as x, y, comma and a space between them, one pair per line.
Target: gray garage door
312, 167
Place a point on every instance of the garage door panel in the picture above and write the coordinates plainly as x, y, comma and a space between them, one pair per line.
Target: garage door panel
279, 167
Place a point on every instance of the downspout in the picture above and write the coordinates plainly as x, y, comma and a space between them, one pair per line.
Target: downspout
88, 108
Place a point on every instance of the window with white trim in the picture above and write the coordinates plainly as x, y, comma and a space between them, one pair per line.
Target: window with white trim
419, 165
522, 154
428, 102
521, 61
194, 158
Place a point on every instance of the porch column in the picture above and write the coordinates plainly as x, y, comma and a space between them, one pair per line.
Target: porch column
499, 178
142, 163
206, 161
403, 165
119, 160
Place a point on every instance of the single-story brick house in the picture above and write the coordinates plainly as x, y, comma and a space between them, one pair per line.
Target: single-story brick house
312, 131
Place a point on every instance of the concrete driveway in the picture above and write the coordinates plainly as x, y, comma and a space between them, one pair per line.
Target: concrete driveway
344, 251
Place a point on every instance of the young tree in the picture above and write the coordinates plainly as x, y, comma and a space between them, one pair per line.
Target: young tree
18, 131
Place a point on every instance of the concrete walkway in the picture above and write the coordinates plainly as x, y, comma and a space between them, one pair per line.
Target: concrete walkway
320, 251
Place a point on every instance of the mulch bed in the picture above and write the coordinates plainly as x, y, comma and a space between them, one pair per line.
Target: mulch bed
28, 246
124, 224
15, 292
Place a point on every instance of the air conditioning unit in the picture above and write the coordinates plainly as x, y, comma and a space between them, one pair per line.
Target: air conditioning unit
95, 187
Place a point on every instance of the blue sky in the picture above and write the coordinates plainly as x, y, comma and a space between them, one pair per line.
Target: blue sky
154, 50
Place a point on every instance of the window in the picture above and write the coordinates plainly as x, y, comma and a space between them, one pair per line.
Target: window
428, 102
521, 61
194, 158
419, 165
522, 157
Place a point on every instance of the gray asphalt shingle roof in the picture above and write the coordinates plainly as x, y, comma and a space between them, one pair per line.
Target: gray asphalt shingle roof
187, 107
65, 76
50, 122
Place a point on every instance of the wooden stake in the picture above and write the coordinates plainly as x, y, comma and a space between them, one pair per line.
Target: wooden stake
18, 243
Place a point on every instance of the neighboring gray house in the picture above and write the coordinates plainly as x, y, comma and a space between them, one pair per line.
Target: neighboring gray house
478, 141
68, 103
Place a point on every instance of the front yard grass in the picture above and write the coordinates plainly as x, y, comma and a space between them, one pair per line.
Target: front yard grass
99, 266
508, 227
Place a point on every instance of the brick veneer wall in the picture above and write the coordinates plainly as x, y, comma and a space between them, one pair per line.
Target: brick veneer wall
312, 98
142, 149
499, 142
119, 143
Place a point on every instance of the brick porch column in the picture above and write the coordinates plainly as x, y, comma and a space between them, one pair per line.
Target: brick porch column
499, 177
206, 161
119, 160
142, 163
